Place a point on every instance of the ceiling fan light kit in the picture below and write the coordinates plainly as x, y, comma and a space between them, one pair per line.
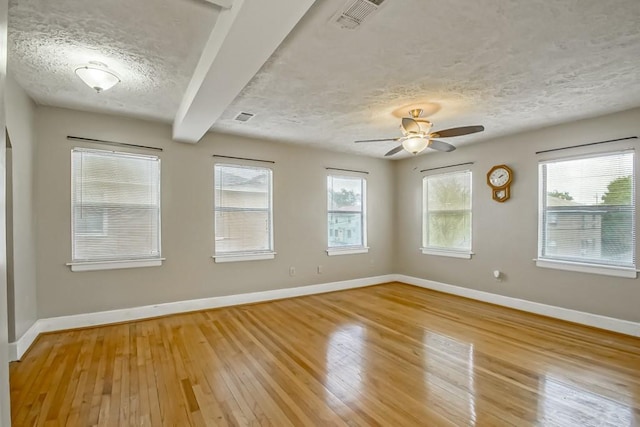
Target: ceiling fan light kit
417, 135
97, 76
415, 144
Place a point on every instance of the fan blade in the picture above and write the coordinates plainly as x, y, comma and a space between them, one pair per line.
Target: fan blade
377, 140
441, 145
410, 125
465, 130
394, 151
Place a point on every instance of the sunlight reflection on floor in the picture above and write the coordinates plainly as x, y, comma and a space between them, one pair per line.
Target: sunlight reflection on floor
344, 361
563, 404
444, 354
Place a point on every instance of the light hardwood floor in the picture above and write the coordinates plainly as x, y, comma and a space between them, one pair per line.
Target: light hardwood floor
390, 355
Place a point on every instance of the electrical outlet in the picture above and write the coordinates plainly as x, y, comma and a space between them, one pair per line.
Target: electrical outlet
319, 269
292, 271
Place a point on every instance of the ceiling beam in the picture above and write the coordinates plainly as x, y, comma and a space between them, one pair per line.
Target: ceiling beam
242, 40
224, 4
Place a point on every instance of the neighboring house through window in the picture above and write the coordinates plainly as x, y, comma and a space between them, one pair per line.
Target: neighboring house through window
587, 214
243, 214
447, 215
90, 222
346, 215
115, 201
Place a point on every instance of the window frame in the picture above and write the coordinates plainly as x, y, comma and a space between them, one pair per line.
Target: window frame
352, 249
222, 257
545, 261
79, 265
439, 251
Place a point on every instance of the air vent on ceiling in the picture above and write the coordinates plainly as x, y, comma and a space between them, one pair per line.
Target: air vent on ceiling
244, 117
353, 14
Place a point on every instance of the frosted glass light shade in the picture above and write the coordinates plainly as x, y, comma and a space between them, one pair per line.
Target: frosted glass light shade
97, 78
415, 144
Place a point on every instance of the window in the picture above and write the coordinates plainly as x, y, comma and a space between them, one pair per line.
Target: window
587, 214
115, 201
90, 222
346, 215
243, 214
446, 228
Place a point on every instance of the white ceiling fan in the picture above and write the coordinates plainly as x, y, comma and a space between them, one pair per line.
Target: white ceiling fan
417, 135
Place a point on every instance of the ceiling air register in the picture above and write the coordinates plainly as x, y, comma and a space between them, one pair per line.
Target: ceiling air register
354, 13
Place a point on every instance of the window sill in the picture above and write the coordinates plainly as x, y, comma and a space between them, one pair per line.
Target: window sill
605, 270
114, 265
347, 251
450, 254
244, 257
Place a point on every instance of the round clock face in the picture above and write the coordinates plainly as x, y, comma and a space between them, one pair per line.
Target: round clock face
499, 177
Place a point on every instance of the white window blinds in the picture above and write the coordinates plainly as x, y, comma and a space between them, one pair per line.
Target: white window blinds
242, 210
587, 210
346, 212
447, 211
115, 202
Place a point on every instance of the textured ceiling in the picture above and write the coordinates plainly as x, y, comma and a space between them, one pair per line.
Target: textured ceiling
509, 65
153, 44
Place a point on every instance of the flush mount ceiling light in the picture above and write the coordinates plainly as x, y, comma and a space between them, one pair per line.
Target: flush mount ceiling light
97, 76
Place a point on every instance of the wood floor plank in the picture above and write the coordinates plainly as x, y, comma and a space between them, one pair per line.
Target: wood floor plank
403, 353
387, 355
308, 389
315, 357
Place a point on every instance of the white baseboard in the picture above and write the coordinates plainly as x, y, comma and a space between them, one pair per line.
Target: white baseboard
18, 348
595, 320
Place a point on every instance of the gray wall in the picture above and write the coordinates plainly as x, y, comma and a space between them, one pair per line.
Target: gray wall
20, 126
187, 224
505, 234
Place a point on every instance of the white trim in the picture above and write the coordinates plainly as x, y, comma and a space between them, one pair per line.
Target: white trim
452, 254
20, 346
113, 265
244, 257
605, 270
17, 349
347, 251
144, 312
595, 320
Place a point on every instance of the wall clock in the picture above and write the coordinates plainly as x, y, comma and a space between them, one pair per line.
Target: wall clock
499, 179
